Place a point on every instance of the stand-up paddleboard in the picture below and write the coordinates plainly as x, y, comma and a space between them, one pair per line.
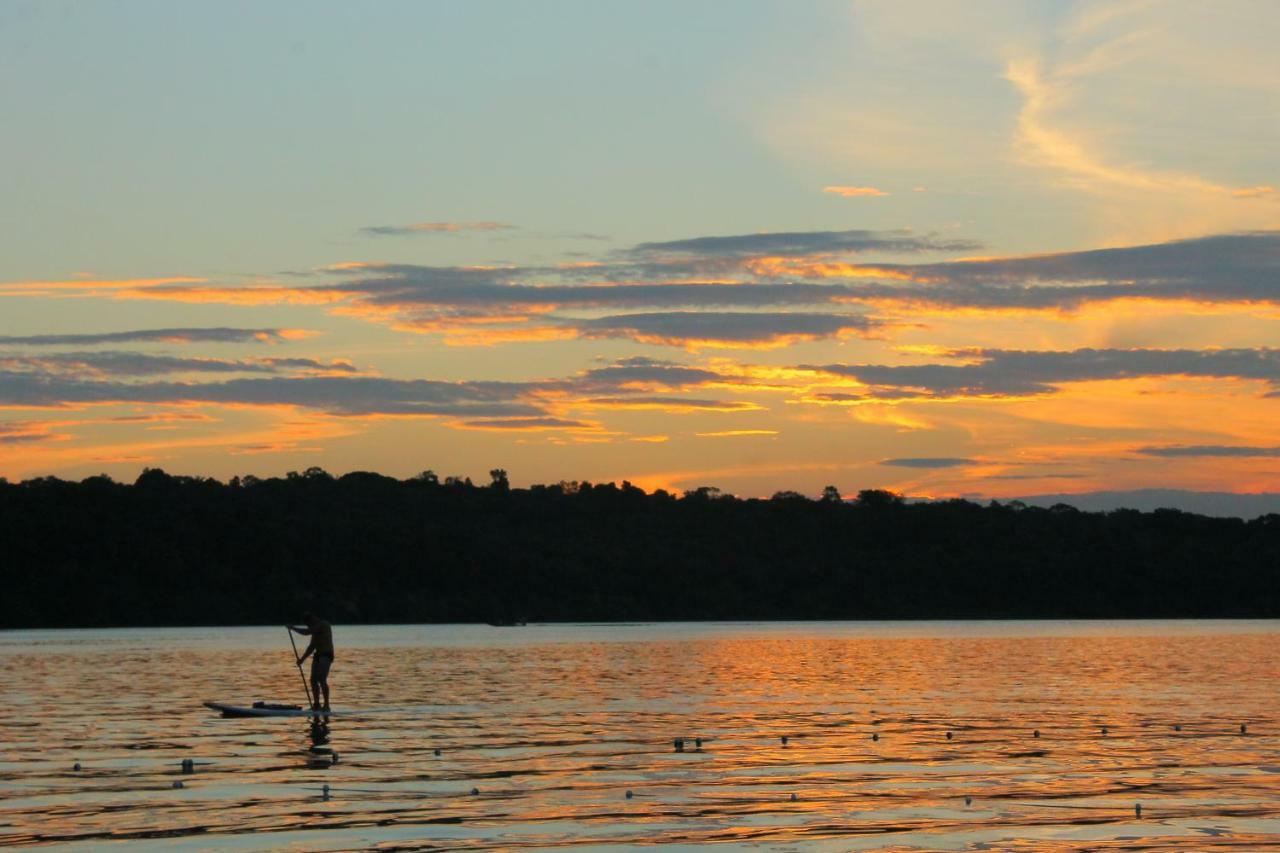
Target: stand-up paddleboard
264, 709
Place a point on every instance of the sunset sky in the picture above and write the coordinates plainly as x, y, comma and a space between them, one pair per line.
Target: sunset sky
979, 248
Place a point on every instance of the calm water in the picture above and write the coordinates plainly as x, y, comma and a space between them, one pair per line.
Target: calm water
553, 725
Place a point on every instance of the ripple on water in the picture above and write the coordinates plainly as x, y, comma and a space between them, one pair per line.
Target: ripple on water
553, 726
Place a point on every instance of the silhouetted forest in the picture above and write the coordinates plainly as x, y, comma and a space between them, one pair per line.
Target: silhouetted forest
367, 548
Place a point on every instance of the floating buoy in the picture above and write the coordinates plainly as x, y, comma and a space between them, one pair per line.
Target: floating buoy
630, 795
437, 753
1244, 729
697, 742
178, 784
475, 792
875, 736
188, 766
1137, 809
679, 744
794, 797
948, 735
324, 791
1177, 728
77, 766
1036, 733
968, 800
1104, 731
784, 740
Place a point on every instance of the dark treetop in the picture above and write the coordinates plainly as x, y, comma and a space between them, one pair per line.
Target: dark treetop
367, 548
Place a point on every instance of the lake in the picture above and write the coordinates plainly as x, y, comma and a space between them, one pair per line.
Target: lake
814, 736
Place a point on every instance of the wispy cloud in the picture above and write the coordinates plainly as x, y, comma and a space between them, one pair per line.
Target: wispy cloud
643, 373
928, 462
1219, 451
1049, 145
693, 329
167, 336
334, 394
671, 405
854, 192
738, 433
25, 432
76, 380
426, 228
1064, 127
800, 243
526, 424
473, 305
709, 291
1015, 373
117, 363
1224, 269
1261, 191
88, 286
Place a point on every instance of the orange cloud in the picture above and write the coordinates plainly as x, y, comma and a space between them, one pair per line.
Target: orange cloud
670, 405
894, 416
281, 436
81, 287
527, 424
734, 433
780, 267
250, 295
491, 337
694, 344
854, 192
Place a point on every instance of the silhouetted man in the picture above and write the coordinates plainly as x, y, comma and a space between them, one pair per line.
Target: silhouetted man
321, 646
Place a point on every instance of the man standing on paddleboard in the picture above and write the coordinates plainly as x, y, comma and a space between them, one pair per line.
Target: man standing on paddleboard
321, 645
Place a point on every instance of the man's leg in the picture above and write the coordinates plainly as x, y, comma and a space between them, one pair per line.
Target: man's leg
317, 676
320, 678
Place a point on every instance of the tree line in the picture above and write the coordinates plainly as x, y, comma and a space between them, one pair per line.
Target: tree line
170, 550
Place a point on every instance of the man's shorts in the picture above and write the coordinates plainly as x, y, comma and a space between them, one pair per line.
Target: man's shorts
320, 668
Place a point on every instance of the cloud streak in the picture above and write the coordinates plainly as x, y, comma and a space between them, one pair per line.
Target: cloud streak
854, 192
806, 243
302, 383
1225, 268
725, 329
529, 424
25, 432
217, 335
426, 228
748, 289
1213, 451
118, 363
1018, 373
928, 462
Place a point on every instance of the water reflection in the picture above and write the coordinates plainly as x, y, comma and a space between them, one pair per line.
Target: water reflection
318, 730
894, 738
319, 755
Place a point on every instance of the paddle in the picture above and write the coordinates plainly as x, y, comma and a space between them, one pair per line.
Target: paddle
296, 660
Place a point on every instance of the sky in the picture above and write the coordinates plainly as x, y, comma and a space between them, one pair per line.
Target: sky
948, 249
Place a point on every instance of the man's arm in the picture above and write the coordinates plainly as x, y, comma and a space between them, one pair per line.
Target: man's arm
311, 647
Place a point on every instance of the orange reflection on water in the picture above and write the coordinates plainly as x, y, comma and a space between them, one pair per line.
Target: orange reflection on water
813, 736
